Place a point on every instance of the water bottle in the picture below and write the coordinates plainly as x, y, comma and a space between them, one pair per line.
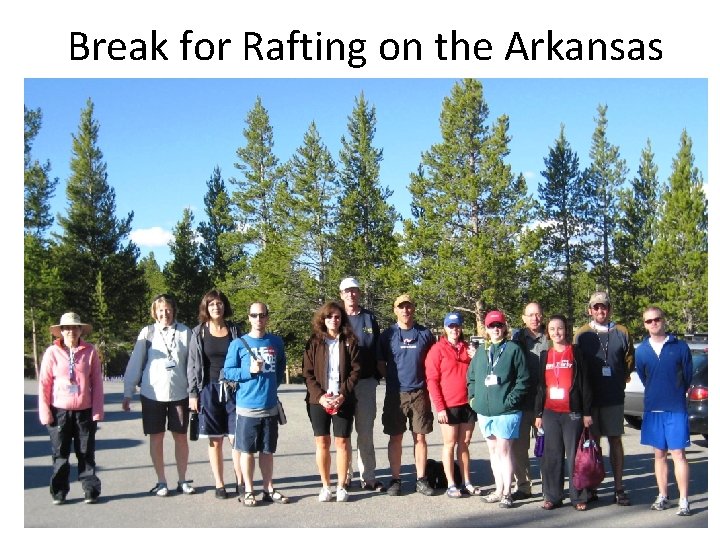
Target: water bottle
194, 426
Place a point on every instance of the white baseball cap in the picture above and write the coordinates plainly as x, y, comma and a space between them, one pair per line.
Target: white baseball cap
348, 283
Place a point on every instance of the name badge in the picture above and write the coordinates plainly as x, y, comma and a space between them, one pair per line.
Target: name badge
491, 380
73, 389
606, 371
170, 363
557, 393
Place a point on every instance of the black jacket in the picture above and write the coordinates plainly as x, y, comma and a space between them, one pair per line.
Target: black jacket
580, 390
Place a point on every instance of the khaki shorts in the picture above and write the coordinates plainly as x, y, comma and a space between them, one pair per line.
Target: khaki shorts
403, 408
608, 421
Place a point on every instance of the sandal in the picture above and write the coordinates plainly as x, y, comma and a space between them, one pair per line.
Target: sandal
248, 499
581, 507
472, 490
549, 505
493, 497
621, 498
453, 492
274, 496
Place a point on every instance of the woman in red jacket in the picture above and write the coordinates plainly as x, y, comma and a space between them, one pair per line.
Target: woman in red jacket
446, 368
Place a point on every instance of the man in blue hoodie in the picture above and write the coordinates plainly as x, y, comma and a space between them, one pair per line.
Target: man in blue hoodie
257, 362
664, 365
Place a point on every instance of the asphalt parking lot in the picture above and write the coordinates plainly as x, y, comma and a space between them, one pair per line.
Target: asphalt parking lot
127, 475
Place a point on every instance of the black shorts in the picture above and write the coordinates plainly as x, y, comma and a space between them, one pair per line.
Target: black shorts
461, 415
342, 422
155, 415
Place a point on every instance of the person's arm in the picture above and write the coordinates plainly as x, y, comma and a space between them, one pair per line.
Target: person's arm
195, 364
522, 378
280, 363
96, 386
384, 354
235, 369
584, 381
629, 356
687, 366
45, 387
433, 362
134, 369
313, 385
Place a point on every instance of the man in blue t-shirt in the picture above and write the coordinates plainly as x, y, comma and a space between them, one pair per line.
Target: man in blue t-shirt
257, 361
404, 347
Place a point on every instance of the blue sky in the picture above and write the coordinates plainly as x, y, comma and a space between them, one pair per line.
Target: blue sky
161, 138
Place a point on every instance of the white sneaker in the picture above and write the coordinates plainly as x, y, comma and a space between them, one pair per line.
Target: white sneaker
341, 494
325, 495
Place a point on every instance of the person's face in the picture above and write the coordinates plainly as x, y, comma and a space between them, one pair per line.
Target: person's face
496, 331
164, 313
216, 309
600, 313
532, 317
556, 331
258, 317
404, 313
453, 332
332, 322
654, 322
71, 334
350, 297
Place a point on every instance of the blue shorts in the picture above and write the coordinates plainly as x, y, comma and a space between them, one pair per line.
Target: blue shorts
256, 434
217, 418
665, 430
503, 426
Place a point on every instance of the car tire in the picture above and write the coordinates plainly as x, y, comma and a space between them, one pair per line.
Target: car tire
634, 421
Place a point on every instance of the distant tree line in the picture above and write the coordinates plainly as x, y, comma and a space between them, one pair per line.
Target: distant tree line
287, 233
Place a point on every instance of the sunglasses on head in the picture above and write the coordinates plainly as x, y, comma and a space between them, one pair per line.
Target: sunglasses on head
656, 320
256, 315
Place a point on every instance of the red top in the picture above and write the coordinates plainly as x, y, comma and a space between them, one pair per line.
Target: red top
446, 374
558, 380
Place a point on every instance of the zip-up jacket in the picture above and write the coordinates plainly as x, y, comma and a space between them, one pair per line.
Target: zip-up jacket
315, 368
198, 363
580, 391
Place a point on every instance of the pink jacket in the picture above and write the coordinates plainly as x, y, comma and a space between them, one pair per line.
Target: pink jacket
54, 383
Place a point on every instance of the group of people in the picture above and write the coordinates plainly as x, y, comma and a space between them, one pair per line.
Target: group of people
538, 378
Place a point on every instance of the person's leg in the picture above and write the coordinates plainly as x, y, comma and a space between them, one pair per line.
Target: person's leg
156, 455
504, 452
365, 413
661, 470
266, 470
182, 452
494, 462
322, 458
682, 471
238, 469
552, 460
465, 432
342, 450
85, 452
520, 455
60, 440
215, 456
617, 460
395, 454
450, 434
420, 449
247, 465
572, 427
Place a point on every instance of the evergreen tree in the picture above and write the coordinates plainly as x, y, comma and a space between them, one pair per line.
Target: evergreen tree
565, 198
469, 213
215, 256
366, 246
633, 240
153, 277
185, 275
92, 240
39, 187
606, 174
676, 268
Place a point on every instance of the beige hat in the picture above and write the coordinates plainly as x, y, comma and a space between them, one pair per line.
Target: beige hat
70, 319
599, 297
403, 298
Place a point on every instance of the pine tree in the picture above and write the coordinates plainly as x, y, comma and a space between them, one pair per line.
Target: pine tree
366, 247
216, 257
469, 213
92, 240
153, 277
606, 174
677, 266
633, 240
39, 187
565, 198
185, 275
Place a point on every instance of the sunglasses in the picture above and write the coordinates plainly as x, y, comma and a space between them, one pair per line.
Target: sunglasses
497, 325
333, 317
256, 315
66, 328
598, 307
656, 320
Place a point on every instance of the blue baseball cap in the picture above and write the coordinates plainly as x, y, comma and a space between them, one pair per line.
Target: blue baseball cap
453, 318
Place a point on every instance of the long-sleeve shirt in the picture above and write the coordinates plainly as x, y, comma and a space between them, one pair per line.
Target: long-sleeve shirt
57, 389
158, 381
446, 369
667, 377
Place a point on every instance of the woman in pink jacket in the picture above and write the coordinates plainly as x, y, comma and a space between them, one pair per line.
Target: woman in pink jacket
446, 367
71, 404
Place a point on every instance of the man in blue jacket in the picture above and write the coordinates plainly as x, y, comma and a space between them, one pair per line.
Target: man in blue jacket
664, 365
257, 361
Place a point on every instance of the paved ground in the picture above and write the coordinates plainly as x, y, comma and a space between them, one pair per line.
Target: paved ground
127, 475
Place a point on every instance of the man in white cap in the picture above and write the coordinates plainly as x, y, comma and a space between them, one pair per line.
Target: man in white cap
610, 354
367, 331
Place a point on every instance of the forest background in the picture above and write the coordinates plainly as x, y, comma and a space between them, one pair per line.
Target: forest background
286, 232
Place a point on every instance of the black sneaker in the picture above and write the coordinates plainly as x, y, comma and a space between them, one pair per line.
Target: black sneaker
506, 502
423, 487
58, 498
521, 495
376, 486
91, 498
221, 493
394, 488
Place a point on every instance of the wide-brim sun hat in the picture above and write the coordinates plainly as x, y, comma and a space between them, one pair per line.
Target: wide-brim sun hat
70, 319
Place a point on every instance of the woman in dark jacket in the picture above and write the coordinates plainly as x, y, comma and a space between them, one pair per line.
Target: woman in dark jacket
563, 410
331, 367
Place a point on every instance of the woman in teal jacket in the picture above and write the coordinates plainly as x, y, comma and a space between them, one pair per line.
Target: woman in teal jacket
498, 379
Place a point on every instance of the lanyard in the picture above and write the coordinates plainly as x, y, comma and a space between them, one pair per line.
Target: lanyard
557, 363
72, 364
494, 362
172, 341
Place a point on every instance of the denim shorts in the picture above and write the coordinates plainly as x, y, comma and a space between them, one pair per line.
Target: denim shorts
503, 426
254, 434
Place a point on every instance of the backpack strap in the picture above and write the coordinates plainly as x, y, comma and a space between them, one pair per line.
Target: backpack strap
149, 336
